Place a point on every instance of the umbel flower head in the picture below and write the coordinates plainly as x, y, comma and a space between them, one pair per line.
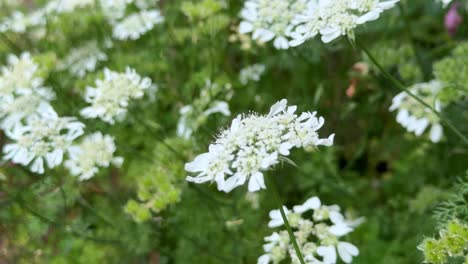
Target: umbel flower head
137, 24
292, 22
111, 96
415, 117
21, 90
253, 144
318, 237
83, 59
94, 151
46, 136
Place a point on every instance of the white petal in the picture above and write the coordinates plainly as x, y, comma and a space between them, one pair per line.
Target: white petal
328, 253
256, 182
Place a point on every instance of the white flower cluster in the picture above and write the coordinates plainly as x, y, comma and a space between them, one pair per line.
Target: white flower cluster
255, 143
318, 237
137, 24
67, 6
292, 22
415, 117
21, 90
18, 22
83, 59
46, 136
251, 73
94, 151
271, 19
445, 2
195, 115
111, 96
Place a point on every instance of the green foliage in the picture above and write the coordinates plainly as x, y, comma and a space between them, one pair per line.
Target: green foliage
146, 212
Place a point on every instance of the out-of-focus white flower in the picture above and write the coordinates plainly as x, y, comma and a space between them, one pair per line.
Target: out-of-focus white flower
415, 117
196, 114
137, 24
111, 96
21, 90
67, 6
253, 144
114, 9
334, 18
94, 151
445, 2
19, 22
251, 73
292, 22
45, 137
83, 59
318, 238
270, 20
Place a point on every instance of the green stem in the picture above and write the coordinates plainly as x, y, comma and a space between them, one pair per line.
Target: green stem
286, 223
400, 86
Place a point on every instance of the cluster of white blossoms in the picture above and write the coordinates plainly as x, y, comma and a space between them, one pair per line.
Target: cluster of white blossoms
445, 2
318, 236
94, 151
251, 73
292, 22
137, 24
111, 96
253, 144
45, 137
67, 6
18, 22
83, 59
194, 115
415, 117
21, 90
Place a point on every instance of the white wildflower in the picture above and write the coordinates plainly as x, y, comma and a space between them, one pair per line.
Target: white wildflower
67, 6
19, 22
415, 117
111, 96
196, 114
114, 9
334, 18
21, 90
270, 20
255, 143
45, 137
83, 59
318, 238
251, 73
94, 151
137, 24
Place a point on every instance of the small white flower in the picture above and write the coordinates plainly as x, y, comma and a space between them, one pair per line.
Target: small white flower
318, 240
111, 96
94, 151
67, 6
415, 117
114, 9
137, 24
270, 20
334, 18
45, 137
83, 59
21, 91
255, 143
251, 73
19, 22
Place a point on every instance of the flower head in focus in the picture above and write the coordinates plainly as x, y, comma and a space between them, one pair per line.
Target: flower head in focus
415, 117
44, 138
94, 151
255, 143
111, 96
318, 237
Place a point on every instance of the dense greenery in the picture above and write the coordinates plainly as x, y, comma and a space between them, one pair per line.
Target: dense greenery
407, 187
